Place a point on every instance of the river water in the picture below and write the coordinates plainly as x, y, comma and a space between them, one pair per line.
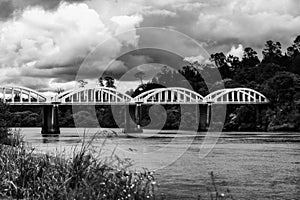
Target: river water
251, 165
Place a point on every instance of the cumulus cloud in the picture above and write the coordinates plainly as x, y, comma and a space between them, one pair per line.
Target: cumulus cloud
237, 51
10, 7
53, 44
162, 12
222, 24
50, 38
127, 23
195, 59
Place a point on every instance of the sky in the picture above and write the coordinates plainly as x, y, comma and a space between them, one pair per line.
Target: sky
49, 44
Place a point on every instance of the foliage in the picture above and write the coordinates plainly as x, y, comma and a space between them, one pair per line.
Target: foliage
4, 116
26, 175
276, 76
7, 135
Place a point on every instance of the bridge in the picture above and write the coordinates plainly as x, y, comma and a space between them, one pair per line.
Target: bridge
17, 95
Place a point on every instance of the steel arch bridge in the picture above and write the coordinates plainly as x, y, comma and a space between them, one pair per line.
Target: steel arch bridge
18, 95
172, 95
93, 95
236, 96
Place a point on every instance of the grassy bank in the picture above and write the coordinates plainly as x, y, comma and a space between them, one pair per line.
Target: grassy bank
27, 175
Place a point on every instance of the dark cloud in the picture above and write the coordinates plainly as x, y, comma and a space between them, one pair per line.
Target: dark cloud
8, 7
156, 56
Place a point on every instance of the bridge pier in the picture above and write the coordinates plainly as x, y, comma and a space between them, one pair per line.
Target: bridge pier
138, 115
133, 126
203, 124
258, 120
50, 124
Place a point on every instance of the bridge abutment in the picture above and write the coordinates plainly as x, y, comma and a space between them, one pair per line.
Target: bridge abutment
50, 123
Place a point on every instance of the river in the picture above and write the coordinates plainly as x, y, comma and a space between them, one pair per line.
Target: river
251, 165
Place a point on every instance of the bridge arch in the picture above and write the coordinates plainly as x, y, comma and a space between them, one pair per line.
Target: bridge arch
173, 95
236, 96
94, 95
18, 94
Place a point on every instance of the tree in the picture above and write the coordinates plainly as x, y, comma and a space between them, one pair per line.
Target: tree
82, 83
296, 45
146, 87
272, 52
100, 81
140, 75
293, 54
220, 60
250, 57
4, 121
59, 90
110, 82
233, 61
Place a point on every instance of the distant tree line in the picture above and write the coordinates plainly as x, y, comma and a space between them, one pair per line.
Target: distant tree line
277, 76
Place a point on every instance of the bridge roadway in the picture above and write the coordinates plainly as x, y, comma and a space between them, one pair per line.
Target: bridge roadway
22, 96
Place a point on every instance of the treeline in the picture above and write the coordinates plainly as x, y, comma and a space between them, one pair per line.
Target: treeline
277, 76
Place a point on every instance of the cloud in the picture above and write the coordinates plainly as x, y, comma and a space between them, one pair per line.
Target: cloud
127, 23
237, 51
49, 39
195, 59
10, 7
44, 44
158, 12
222, 24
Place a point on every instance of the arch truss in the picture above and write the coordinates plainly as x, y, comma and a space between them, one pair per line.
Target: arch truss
169, 96
236, 96
21, 95
98, 95
104, 95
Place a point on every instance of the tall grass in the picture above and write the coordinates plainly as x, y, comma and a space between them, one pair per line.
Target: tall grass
12, 137
27, 175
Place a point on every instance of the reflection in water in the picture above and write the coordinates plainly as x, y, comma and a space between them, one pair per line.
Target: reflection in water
51, 138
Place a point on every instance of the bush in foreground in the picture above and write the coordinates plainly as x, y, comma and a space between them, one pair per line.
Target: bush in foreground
26, 175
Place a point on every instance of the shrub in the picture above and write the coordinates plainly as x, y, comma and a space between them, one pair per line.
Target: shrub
4, 116
26, 175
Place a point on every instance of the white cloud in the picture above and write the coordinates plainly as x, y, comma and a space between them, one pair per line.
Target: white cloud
195, 59
237, 51
44, 43
162, 12
127, 23
37, 41
248, 21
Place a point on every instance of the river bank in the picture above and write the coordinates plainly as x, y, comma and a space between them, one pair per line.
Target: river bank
29, 175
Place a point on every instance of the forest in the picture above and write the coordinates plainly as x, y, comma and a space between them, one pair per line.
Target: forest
276, 75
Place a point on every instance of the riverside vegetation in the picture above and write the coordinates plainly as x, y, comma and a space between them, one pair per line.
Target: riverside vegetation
276, 75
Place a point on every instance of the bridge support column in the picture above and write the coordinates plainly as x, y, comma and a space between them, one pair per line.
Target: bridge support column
138, 115
209, 114
258, 116
132, 126
127, 124
203, 117
50, 124
197, 116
